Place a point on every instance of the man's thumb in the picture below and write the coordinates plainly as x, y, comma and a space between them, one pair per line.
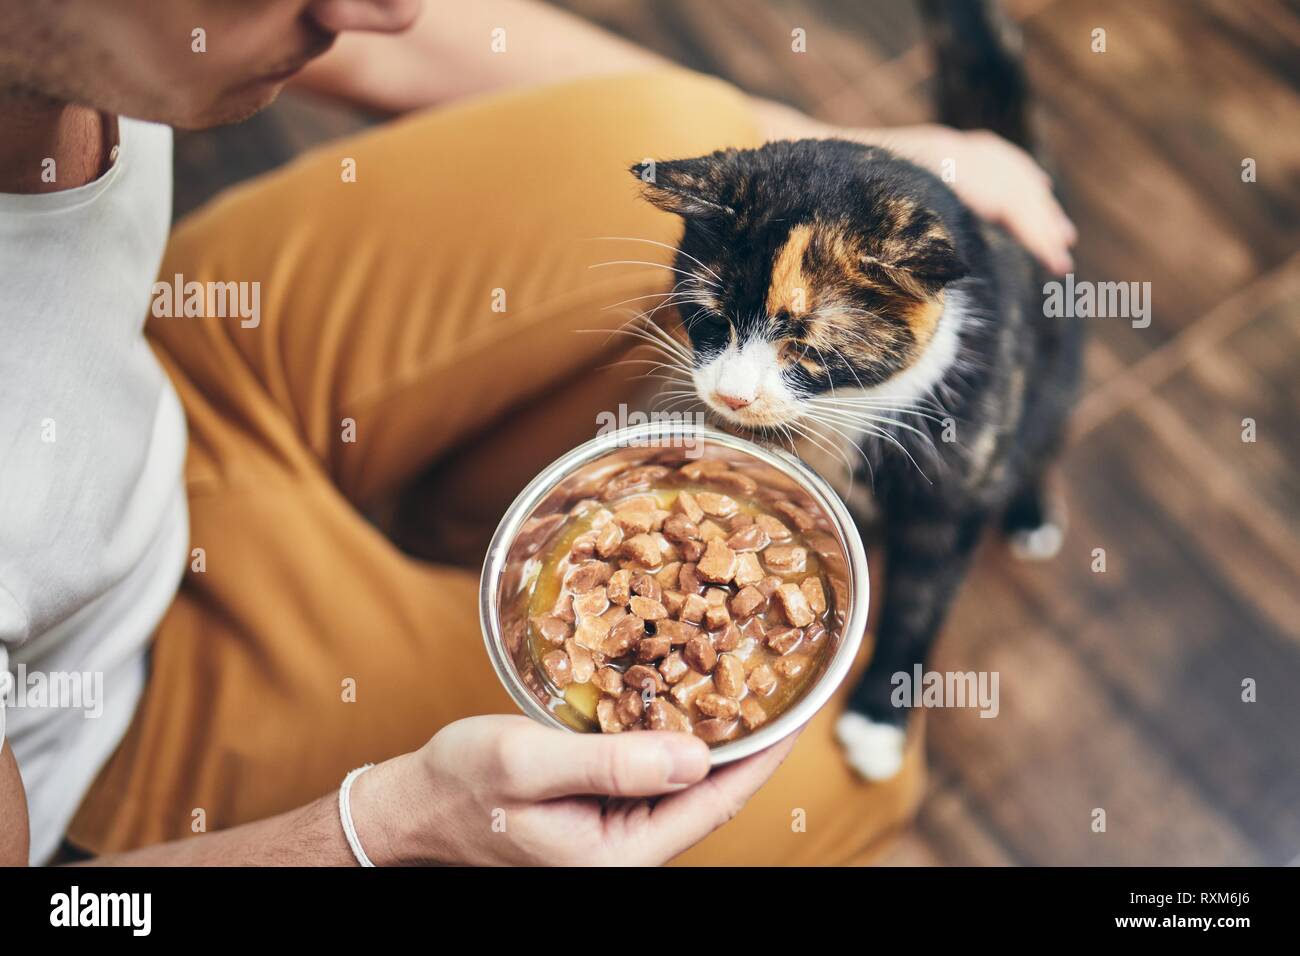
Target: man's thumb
551, 764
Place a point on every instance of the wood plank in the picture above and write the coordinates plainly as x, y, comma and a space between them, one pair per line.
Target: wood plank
655, 26
1268, 561
1132, 232
1109, 391
1205, 102
1149, 655
1252, 374
1149, 137
1059, 749
949, 831
1268, 29
889, 28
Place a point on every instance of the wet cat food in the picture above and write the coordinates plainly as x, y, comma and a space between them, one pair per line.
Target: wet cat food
680, 599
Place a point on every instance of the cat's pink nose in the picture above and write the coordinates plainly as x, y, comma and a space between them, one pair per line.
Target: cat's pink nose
732, 401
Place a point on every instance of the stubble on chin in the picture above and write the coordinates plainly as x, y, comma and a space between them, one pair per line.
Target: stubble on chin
231, 108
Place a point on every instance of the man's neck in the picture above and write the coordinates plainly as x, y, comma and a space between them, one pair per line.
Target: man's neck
47, 145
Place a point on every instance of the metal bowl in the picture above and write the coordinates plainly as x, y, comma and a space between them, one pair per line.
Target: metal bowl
543, 507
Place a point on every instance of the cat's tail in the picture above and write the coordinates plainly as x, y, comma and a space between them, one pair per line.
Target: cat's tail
980, 74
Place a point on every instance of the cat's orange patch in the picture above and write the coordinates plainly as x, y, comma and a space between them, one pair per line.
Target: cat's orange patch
815, 274
789, 289
923, 319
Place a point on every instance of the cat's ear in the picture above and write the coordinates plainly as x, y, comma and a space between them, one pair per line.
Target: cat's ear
692, 188
920, 268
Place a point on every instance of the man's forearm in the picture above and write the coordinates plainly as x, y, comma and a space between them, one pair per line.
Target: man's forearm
448, 54
307, 836
311, 835
14, 833
451, 52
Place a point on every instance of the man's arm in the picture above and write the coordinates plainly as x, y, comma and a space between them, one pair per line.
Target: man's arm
438, 804
307, 836
14, 834
311, 835
448, 54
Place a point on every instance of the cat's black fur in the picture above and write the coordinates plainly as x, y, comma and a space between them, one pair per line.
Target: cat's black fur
910, 244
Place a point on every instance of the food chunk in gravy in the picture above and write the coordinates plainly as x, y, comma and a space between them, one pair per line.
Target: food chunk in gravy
681, 599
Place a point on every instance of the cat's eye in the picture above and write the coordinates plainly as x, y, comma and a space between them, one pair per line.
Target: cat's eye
708, 319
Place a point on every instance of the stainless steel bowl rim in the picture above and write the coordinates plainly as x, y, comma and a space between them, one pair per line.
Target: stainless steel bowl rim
855, 626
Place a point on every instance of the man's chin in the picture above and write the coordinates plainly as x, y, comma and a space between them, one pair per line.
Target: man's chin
233, 107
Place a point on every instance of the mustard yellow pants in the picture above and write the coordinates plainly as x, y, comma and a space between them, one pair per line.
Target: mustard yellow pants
420, 337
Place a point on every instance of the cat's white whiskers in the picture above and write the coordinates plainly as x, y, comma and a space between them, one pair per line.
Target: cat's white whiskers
673, 358
677, 287
847, 364
652, 340
853, 443
841, 439
655, 265
652, 336
664, 245
647, 315
858, 414
832, 448
677, 402
675, 296
668, 407
847, 405
656, 375
895, 402
646, 318
788, 437
654, 329
844, 406
888, 402
671, 371
871, 428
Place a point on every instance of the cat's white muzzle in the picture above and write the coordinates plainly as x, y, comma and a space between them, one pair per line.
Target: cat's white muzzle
743, 384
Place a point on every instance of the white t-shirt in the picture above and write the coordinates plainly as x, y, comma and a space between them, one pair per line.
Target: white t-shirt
94, 532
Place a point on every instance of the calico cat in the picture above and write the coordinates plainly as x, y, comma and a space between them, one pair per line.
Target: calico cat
840, 295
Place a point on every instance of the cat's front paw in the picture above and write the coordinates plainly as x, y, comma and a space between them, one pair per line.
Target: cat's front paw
874, 750
1035, 525
1037, 544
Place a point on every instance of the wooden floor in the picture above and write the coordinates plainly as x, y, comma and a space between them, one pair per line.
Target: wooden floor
1120, 690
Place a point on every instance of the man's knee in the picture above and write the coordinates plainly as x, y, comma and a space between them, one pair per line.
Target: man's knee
677, 113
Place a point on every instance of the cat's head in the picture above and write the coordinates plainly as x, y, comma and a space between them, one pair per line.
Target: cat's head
807, 268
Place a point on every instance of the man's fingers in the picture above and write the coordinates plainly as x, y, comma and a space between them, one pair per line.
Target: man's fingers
1071, 233
680, 821
1041, 226
1027, 207
1045, 245
1056, 232
535, 763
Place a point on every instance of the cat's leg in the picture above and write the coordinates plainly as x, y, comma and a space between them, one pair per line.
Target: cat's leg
1034, 522
927, 558
1035, 518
